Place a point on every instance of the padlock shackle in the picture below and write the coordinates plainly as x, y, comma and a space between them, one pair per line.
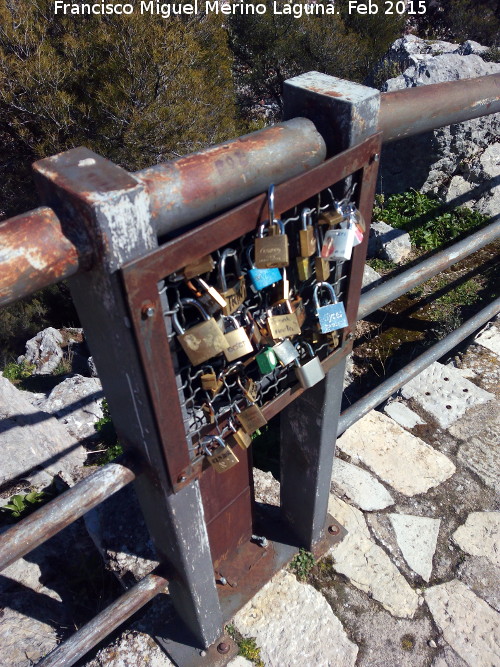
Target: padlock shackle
188, 302
328, 287
281, 226
306, 218
270, 202
228, 252
211, 438
306, 346
233, 320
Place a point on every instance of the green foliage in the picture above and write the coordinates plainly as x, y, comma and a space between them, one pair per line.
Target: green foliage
270, 48
20, 505
465, 294
136, 89
107, 437
426, 219
15, 372
247, 646
302, 564
459, 20
492, 55
381, 265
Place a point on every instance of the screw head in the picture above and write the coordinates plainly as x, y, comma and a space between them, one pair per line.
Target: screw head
181, 478
376, 157
148, 309
223, 648
333, 530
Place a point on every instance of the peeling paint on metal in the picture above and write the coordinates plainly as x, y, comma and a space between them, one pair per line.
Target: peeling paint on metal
88, 162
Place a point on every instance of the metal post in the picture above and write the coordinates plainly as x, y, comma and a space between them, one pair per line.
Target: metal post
90, 194
345, 113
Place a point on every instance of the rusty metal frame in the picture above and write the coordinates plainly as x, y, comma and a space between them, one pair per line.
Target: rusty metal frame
141, 277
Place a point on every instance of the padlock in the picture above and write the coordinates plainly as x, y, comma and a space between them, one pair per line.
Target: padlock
241, 437
266, 360
286, 352
283, 326
311, 372
332, 316
252, 327
338, 244
303, 268
202, 341
321, 266
237, 292
222, 458
212, 293
280, 292
204, 298
307, 242
271, 251
252, 389
261, 278
210, 382
202, 265
237, 340
330, 217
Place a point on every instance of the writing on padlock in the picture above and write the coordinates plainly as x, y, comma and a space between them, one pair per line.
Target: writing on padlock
331, 316
271, 250
283, 326
311, 372
201, 341
238, 342
338, 244
236, 293
261, 278
219, 454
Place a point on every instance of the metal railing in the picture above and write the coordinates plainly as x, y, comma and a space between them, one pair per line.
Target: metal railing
188, 190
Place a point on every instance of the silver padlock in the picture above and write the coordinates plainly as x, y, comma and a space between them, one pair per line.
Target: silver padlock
311, 372
286, 352
331, 316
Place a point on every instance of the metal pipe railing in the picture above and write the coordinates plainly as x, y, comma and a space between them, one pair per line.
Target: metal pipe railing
410, 111
380, 296
63, 510
396, 381
104, 623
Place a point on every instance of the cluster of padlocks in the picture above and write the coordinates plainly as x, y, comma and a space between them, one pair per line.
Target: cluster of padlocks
257, 317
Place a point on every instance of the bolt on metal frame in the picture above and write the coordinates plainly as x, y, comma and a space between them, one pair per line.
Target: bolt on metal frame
92, 254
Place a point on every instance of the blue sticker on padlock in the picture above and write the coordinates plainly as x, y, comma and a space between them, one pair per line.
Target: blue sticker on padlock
261, 278
332, 316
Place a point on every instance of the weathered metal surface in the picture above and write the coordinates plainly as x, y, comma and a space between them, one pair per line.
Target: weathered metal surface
69, 652
35, 253
416, 110
180, 649
344, 112
380, 296
202, 184
396, 381
63, 510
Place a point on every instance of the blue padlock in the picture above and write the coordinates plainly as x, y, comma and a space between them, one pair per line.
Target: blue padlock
261, 278
332, 316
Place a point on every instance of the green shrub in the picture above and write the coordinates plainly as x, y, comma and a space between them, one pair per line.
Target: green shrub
107, 437
20, 505
15, 372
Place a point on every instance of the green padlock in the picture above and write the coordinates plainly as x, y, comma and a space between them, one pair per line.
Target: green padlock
266, 360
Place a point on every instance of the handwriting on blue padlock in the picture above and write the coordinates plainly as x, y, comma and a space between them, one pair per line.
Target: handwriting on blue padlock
261, 278
331, 316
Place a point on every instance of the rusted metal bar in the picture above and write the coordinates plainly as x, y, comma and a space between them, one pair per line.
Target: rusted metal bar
423, 108
35, 253
380, 296
396, 381
201, 184
63, 510
104, 623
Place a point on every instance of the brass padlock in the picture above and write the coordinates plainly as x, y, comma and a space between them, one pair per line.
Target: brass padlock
271, 251
331, 218
236, 294
202, 341
202, 265
283, 326
321, 266
251, 418
238, 342
303, 268
307, 241
210, 382
222, 458
241, 437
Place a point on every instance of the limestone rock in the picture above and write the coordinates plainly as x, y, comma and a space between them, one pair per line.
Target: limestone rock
266, 487
490, 338
480, 536
367, 566
359, 487
24, 639
388, 243
481, 454
32, 440
402, 414
444, 393
417, 538
370, 277
381, 444
76, 402
468, 624
482, 577
294, 625
131, 649
44, 350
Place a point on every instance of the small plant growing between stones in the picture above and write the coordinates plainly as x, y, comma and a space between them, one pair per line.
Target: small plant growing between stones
302, 564
16, 372
247, 646
22, 504
407, 642
107, 437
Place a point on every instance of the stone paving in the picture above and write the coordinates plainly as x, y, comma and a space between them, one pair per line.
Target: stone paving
415, 581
